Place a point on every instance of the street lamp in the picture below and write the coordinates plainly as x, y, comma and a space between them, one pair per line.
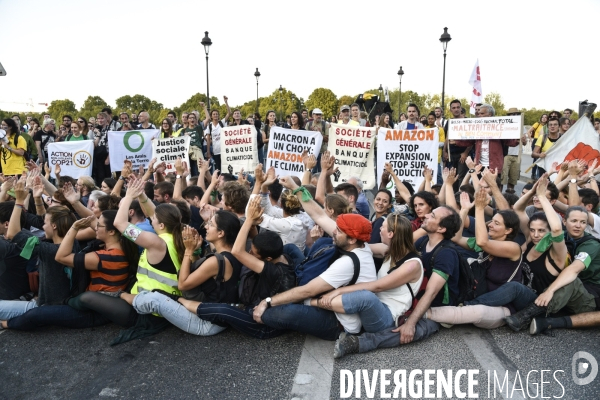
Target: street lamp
206, 42
400, 73
445, 38
380, 88
280, 104
257, 75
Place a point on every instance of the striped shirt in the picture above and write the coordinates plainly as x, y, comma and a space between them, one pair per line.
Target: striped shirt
113, 272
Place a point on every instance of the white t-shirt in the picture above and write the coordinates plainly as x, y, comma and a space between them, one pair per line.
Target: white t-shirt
485, 153
596, 229
215, 131
340, 273
398, 299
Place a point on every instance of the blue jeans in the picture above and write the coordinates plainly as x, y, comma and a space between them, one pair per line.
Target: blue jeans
305, 319
294, 252
238, 318
317, 167
512, 292
13, 308
174, 312
64, 316
374, 315
387, 338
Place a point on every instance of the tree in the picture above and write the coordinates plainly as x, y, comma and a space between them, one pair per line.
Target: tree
193, 103
137, 103
495, 100
92, 106
58, 108
345, 100
283, 103
324, 99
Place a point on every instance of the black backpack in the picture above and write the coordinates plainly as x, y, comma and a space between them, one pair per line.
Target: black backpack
572, 245
250, 292
471, 279
197, 293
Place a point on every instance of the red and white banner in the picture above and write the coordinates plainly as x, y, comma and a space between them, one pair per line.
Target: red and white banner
476, 92
580, 142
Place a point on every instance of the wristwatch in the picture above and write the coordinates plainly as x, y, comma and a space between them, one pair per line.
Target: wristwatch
268, 300
573, 180
122, 178
471, 170
177, 176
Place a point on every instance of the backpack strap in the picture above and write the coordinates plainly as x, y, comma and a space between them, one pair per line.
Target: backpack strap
356, 263
69, 136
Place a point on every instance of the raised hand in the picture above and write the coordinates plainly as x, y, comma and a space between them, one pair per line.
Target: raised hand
20, 191
70, 194
481, 199
255, 211
470, 163
214, 180
451, 178
85, 222
542, 186
490, 176
179, 167
465, 201
288, 183
271, 177
428, 173
259, 175
135, 188
190, 238
38, 187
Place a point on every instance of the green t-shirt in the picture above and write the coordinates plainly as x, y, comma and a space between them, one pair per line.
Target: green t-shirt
592, 273
196, 135
73, 138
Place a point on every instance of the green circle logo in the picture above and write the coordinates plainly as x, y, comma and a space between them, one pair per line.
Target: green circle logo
128, 136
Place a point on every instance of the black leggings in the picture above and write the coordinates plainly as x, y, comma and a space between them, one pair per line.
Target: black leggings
113, 308
61, 315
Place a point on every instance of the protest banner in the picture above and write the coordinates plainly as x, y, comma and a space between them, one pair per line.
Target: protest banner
508, 127
169, 149
580, 142
75, 158
286, 147
238, 149
135, 146
352, 147
409, 151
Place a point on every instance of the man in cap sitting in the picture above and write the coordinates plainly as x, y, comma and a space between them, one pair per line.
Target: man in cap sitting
350, 232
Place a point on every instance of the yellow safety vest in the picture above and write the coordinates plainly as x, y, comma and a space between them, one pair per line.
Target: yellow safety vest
150, 278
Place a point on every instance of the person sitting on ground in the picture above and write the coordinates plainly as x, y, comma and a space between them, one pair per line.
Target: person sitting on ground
382, 303
215, 285
159, 264
350, 233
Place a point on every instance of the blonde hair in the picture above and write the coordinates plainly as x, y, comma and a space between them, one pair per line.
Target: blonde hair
290, 203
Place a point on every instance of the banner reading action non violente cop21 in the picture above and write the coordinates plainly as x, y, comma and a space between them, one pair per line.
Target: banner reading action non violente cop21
286, 147
75, 158
353, 148
135, 146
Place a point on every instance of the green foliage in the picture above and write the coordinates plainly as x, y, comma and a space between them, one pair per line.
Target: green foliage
193, 103
137, 103
283, 103
92, 106
345, 100
495, 100
324, 99
58, 108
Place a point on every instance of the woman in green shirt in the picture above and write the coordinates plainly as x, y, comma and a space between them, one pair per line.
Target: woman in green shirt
75, 133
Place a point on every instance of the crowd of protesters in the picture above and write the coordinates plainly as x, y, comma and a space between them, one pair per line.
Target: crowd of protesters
206, 250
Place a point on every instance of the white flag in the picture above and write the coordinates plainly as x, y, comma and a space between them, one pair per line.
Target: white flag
580, 142
75, 158
476, 92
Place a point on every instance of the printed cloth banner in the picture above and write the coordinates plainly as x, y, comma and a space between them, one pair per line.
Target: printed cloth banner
580, 142
508, 127
135, 146
353, 148
75, 158
286, 147
408, 152
476, 92
238, 149
168, 150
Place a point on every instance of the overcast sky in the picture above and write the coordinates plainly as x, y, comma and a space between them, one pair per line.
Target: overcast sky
534, 53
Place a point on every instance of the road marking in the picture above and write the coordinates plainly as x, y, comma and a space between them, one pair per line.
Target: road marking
313, 377
491, 357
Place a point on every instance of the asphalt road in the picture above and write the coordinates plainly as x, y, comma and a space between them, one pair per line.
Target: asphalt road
56, 363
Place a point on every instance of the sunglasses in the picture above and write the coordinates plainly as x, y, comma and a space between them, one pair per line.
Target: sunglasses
81, 122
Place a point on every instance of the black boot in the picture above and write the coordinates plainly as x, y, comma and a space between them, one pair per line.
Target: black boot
521, 319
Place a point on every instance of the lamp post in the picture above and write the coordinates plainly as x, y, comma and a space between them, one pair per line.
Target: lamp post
445, 38
280, 104
257, 75
206, 42
400, 73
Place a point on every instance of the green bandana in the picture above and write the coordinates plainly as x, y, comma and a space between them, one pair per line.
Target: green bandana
29, 246
472, 243
547, 241
306, 196
446, 299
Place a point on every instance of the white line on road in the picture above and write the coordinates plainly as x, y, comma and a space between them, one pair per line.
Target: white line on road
313, 377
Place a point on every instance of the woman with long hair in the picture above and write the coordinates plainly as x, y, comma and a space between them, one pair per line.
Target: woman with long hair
13, 149
110, 270
159, 263
217, 284
166, 128
382, 303
270, 122
297, 122
84, 127
76, 133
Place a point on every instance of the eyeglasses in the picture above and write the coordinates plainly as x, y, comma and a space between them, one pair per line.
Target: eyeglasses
81, 122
